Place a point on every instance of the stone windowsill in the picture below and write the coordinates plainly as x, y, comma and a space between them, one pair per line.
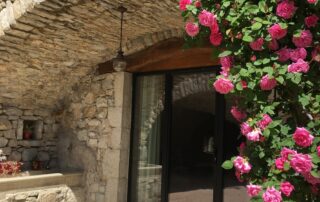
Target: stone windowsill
71, 179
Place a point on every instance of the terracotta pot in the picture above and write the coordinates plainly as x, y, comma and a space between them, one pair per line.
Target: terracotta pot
27, 135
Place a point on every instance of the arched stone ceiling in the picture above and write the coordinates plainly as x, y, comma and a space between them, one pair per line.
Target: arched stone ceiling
51, 44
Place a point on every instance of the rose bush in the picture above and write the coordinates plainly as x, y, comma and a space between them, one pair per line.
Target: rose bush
269, 52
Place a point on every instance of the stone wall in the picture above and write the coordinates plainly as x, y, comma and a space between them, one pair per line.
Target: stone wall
95, 135
46, 194
46, 46
42, 146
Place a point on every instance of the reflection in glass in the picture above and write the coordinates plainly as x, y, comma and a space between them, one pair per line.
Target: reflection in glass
192, 142
146, 164
233, 189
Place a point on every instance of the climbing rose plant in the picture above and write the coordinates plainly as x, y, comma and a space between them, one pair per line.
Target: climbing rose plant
269, 54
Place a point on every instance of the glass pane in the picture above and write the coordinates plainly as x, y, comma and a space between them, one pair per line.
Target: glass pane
233, 189
146, 163
192, 145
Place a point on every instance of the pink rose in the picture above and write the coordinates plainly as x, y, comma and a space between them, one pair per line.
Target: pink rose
257, 44
311, 21
318, 150
283, 54
242, 165
245, 128
198, 4
279, 162
216, 39
299, 66
312, 1
286, 153
207, 18
244, 84
223, 85
273, 45
239, 176
225, 71
303, 40
277, 32
310, 179
301, 163
302, 137
192, 29
253, 190
238, 114
183, 4
215, 27
267, 83
316, 54
254, 135
299, 53
266, 120
286, 9
226, 61
272, 195
286, 188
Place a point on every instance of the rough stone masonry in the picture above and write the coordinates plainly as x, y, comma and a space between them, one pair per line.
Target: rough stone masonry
49, 51
42, 147
46, 46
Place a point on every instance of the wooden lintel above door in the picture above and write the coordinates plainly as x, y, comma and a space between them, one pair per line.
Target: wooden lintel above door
167, 55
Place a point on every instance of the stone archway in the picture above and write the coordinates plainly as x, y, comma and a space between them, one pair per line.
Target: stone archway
191, 84
48, 45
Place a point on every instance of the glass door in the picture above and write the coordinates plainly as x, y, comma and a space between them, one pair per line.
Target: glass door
146, 165
192, 152
180, 138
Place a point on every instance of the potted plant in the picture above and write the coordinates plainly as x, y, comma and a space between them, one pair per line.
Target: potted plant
27, 132
8, 168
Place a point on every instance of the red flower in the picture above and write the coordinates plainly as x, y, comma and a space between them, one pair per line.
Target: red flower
216, 39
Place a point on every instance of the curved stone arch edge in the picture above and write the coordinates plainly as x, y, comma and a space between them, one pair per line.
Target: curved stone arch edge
145, 41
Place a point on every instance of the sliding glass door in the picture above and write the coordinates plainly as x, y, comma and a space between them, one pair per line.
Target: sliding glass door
146, 167
180, 139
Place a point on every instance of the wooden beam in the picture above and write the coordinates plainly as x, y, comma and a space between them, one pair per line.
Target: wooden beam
168, 55
192, 58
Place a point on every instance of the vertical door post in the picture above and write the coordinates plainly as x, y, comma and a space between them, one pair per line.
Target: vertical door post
219, 136
165, 139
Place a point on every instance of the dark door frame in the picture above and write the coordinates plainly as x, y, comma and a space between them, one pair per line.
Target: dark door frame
166, 128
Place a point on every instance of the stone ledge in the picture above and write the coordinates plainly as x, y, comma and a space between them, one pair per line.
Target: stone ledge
71, 179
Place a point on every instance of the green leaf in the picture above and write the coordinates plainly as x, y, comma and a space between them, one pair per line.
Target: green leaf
315, 174
225, 53
254, 9
263, 7
227, 165
286, 166
266, 133
266, 61
226, 4
273, 124
261, 154
283, 25
268, 70
280, 79
315, 158
257, 19
256, 26
244, 73
239, 86
258, 62
247, 38
296, 78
